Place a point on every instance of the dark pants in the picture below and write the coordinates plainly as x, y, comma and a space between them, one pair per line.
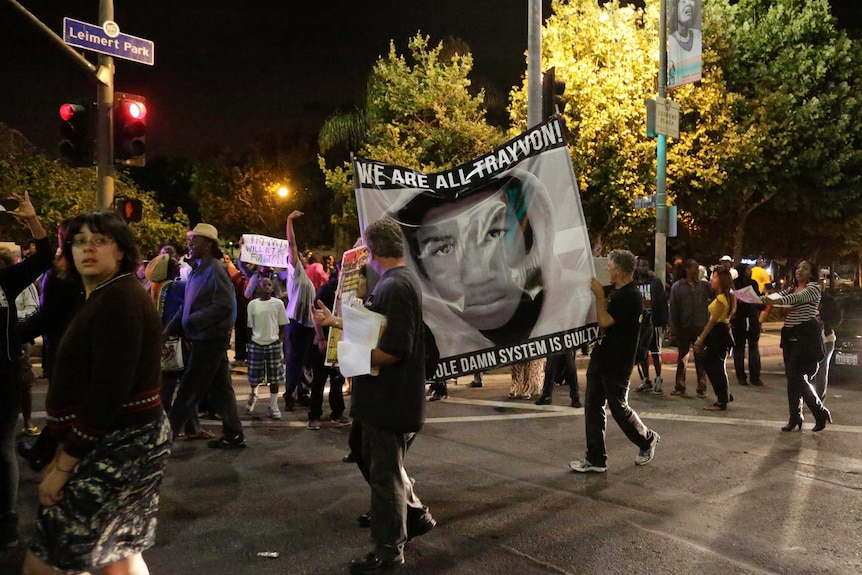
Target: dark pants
207, 373
300, 339
746, 330
10, 404
605, 386
170, 381
684, 340
240, 337
821, 380
318, 382
394, 504
800, 373
714, 366
566, 361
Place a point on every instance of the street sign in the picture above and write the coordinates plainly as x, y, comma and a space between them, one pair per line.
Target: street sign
667, 117
108, 40
644, 202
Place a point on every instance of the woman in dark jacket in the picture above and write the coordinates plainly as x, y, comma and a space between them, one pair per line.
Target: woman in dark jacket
802, 344
99, 496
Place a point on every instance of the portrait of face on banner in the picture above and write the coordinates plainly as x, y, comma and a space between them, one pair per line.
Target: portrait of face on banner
684, 47
503, 260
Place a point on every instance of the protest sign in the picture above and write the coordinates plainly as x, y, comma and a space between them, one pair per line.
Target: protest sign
264, 251
351, 263
500, 247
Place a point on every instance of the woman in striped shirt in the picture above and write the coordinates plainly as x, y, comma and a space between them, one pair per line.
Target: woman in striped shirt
801, 340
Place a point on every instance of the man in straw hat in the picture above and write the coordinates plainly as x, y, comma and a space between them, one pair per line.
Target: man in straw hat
206, 320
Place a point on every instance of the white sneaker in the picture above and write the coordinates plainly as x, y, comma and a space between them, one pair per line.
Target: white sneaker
252, 400
584, 466
274, 413
646, 455
656, 388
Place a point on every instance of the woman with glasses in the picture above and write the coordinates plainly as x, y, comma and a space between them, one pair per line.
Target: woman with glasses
99, 496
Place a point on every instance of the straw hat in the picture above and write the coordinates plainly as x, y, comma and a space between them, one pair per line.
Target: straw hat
205, 230
157, 269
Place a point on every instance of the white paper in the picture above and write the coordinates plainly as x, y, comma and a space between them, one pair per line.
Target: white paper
353, 359
361, 332
776, 296
747, 295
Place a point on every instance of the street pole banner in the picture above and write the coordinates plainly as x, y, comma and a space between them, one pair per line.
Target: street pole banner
264, 251
500, 246
685, 48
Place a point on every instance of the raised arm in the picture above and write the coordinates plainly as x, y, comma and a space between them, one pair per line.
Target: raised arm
293, 257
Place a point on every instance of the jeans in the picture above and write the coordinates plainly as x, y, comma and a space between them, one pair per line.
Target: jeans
611, 388
746, 330
207, 373
800, 373
299, 341
10, 404
684, 339
821, 379
394, 504
567, 361
318, 382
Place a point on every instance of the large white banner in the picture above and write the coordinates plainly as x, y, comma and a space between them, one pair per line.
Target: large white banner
501, 248
684, 45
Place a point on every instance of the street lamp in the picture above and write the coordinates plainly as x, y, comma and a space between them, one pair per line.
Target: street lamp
282, 192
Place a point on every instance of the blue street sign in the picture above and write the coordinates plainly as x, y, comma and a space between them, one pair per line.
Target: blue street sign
97, 39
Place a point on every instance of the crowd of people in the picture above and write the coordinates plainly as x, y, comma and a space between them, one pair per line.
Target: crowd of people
134, 355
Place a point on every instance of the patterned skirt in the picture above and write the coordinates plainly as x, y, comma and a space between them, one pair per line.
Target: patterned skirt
108, 510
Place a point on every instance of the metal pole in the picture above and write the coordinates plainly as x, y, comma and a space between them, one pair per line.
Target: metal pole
534, 63
105, 126
661, 155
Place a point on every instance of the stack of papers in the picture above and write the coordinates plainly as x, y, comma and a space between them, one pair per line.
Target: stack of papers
362, 331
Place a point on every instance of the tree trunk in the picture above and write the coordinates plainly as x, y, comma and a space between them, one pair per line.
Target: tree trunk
739, 233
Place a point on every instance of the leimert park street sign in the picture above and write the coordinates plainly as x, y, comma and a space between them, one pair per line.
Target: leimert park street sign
108, 40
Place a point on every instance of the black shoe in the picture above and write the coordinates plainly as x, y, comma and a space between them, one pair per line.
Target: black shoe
225, 442
820, 424
349, 458
543, 400
756, 381
437, 396
364, 520
371, 563
476, 384
421, 528
794, 422
577, 404
742, 381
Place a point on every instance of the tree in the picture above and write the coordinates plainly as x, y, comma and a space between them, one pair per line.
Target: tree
59, 192
419, 114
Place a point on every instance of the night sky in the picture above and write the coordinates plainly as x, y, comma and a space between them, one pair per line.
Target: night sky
227, 71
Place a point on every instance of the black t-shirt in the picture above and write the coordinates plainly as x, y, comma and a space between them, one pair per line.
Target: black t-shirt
615, 350
395, 399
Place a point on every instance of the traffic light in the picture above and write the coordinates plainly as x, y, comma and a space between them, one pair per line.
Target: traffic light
77, 132
552, 94
130, 129
129, 209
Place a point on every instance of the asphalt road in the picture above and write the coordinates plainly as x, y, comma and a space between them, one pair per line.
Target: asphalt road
727, 493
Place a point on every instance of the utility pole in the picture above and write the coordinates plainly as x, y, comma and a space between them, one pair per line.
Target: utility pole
105, 125
534, 63
661, 154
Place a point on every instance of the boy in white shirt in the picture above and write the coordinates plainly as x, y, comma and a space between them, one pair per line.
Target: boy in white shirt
266, 316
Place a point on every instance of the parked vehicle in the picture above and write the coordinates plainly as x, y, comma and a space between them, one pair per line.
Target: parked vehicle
847, 359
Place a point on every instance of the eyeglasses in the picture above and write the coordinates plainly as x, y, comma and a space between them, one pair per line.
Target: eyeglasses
95, 241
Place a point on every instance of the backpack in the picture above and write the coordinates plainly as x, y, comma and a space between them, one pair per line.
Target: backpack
645, 335
831, 313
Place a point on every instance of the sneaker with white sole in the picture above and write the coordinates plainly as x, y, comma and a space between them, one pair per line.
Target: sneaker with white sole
584, 466
313, 424
645, 386
274, 413
340, 422
646, 455
252, 401
656, 386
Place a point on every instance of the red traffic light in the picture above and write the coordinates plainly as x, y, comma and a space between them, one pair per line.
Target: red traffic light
135, 110
68, 111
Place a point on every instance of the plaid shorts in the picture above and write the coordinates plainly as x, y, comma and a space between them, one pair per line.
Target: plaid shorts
265, 360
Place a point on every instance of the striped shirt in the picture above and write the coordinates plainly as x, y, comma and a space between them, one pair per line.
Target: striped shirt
804, 304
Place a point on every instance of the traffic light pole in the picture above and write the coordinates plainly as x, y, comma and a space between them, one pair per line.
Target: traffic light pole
661, 155
104, 127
